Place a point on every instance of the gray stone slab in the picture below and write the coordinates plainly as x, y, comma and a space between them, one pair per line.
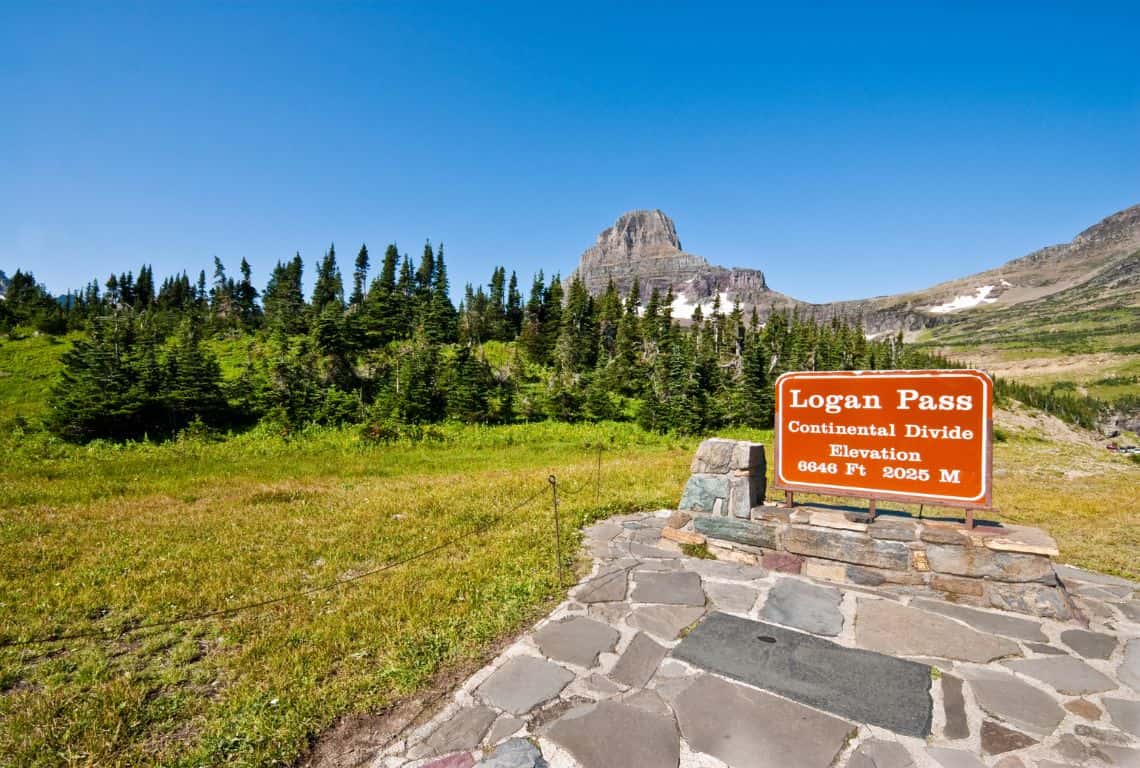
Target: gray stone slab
846, 546
1032, 599
719, 569
954, 758
639, 661
522, 683
1122, 756
1066, 674
1071, 573
997, 739
607, 587
648, 700
455, 760
804, 606
702, 492
1129, 669
679, 588
507, 725
746, 728
749, 532
1125, 714
664, 621
887, 627
1016, 702
1131, 610
954, 708
879, 753
1045, 649
638, 549
982, 562
893, 528
515, 753
858, 685
605, 532
986, 621
714, 456
615, 735
463, 730
577, 640
1091, 645
734, 598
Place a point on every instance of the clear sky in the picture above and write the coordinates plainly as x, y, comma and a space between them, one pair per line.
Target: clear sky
845, 151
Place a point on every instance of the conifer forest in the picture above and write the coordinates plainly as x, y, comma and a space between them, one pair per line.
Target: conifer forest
391, 350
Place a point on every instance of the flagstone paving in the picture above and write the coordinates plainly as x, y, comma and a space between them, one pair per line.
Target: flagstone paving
658, 660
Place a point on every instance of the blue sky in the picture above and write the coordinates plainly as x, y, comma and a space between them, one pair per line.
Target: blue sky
846, 151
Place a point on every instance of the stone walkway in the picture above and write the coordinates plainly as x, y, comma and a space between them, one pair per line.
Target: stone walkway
659, 660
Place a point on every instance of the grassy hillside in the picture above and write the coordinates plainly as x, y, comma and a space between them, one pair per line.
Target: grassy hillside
1088, 335
28, 366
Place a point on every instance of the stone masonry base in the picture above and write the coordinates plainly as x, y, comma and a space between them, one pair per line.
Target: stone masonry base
1001, 566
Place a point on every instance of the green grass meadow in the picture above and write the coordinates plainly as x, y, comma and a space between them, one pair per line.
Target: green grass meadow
109, 537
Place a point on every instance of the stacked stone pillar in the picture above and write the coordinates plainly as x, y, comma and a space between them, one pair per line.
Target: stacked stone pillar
727, 478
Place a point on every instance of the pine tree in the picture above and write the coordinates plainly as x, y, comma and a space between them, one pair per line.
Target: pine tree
441, 317
329, 288
359, 276
472, 383
383, 305
144, 288
248, 309
514, 308
192, 382
425, 276
284, 300
531, 336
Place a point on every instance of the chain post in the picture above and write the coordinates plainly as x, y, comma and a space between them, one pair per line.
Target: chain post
598, 480
557, 528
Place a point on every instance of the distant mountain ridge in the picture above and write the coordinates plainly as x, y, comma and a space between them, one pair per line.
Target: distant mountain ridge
645, 245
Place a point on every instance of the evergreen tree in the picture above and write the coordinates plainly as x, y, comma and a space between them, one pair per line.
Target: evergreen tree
384, 305
329, 288
425, 276
246, 296
191, 382
417, 393
440, 317
514, 308
144, 288
359, 276
531, 335
284, 300
472, 383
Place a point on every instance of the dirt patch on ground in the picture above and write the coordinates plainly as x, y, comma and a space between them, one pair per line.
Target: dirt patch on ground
354, 740
1074, 367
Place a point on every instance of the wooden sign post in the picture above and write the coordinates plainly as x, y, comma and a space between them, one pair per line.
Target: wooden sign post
913, 436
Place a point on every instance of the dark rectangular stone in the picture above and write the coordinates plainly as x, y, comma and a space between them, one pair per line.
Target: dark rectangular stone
748, 532
862, 686
847, 547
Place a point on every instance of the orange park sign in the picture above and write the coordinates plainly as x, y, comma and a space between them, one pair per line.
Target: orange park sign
918, 436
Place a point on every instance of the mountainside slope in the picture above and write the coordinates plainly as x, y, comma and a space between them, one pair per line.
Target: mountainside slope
1051, 271
1095, 271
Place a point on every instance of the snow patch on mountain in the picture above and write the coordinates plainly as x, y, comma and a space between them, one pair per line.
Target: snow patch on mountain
980, 296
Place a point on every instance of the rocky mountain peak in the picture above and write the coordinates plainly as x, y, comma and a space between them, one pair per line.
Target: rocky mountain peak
639, 233
645, 245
